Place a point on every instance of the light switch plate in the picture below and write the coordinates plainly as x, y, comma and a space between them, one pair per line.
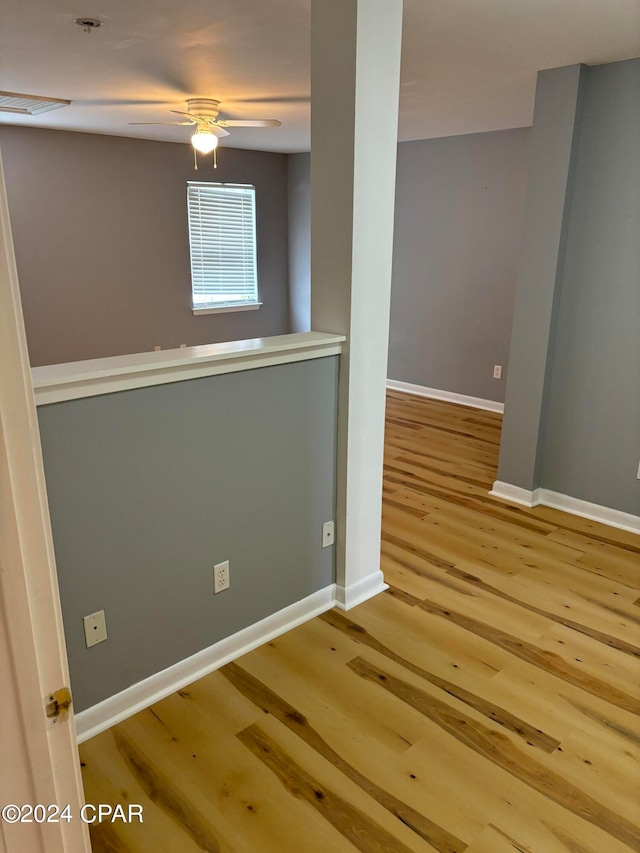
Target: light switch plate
95, 628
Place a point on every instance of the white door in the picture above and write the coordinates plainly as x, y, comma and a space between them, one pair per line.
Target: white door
38, 755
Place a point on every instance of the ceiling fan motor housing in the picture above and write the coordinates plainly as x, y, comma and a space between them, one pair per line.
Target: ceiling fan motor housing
203, 107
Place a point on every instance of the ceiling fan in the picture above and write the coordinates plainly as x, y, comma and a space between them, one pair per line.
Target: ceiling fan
202, 113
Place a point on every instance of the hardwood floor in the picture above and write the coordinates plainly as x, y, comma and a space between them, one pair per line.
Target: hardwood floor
487, 702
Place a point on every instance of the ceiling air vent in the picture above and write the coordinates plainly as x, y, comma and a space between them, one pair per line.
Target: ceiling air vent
30, 105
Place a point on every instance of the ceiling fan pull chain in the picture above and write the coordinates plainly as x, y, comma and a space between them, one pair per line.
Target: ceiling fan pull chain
215, 159
195, 159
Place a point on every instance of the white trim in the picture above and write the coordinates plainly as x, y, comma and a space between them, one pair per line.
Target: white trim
39, 756
116, 708
575, 506
595, 512
351, 596
448, 396
226, 309
113, 710
515, 494
57, 382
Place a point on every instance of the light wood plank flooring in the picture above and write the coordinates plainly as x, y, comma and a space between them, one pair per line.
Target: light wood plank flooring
487, 702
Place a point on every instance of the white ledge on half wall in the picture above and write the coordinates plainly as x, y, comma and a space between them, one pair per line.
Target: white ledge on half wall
575, 506
447, 396
57, 382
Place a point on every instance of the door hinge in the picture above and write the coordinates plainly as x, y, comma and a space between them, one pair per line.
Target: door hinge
59, 704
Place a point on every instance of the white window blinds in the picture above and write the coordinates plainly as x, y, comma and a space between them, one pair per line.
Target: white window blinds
222, 237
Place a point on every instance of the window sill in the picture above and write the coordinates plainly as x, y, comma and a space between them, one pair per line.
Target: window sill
225, 309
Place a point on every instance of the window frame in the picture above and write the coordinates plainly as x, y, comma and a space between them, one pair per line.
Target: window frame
224, 307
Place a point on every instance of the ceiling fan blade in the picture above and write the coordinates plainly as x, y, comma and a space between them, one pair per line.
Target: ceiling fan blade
275, 99
117, 102
176, 123
266, 122
188, 115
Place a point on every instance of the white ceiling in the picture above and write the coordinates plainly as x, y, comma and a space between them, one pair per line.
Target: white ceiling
468, 65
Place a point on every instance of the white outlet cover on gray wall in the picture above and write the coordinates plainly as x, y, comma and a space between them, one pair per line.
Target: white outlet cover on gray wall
95, 628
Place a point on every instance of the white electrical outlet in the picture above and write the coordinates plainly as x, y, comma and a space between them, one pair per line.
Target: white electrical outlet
638, 474
221, 577
328, 533
95, 628
157, 349
183, 346
497, 371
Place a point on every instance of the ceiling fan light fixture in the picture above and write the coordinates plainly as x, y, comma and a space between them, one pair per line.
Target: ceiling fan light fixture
204, 141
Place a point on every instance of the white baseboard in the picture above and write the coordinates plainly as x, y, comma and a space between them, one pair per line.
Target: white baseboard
594, 512
351, 596
575, 506
139, 696
515, 494
128, 702
447, 396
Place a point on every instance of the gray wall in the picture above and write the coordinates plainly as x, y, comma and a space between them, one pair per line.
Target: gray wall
459, 207
552, 165
149, 488
592, 437
458, 220
299, 242
100, 232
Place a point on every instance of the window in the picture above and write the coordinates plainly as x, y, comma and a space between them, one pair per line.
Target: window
222, 238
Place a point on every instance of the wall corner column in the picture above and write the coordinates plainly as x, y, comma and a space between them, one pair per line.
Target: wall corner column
547, 209
355, 79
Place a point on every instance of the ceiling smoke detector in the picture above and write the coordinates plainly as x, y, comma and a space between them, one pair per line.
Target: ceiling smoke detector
88, 24
30, 105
